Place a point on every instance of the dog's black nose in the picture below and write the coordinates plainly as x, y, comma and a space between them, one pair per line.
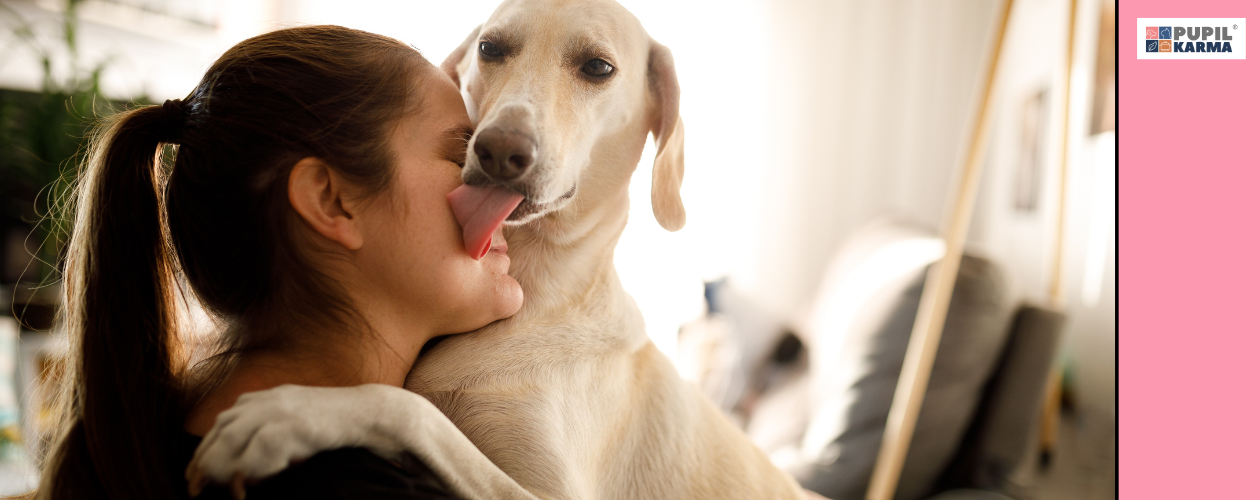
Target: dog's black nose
504, 154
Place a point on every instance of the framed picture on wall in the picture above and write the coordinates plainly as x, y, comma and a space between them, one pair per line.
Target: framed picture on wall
1029, 166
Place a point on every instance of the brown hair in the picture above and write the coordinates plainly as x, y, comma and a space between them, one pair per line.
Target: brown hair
219, 219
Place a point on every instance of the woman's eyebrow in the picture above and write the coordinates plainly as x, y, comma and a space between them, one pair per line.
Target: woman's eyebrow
460, 132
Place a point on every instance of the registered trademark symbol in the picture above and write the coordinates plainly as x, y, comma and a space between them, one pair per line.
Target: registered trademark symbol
1235, 27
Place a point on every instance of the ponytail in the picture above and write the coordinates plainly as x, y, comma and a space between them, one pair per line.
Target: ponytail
220, 218
122, 402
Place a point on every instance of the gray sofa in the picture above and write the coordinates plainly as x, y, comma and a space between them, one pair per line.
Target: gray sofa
816, 397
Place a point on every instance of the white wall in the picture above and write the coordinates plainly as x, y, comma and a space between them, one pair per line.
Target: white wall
872, 103
1022, 241
157, 56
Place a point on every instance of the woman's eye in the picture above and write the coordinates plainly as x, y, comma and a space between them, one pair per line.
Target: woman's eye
597, 67
458, 157
490, 50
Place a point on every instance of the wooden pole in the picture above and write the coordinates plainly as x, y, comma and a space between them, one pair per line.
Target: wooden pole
937, 290
1056, 264
1054, 386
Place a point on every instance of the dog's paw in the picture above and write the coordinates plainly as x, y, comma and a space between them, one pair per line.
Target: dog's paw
266, 431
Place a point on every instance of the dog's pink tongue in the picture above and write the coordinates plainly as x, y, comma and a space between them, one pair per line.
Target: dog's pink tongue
481, 209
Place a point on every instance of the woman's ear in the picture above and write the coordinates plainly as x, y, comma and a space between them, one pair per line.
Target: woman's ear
320, 197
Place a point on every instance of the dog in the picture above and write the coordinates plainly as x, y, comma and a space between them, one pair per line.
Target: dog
568, 399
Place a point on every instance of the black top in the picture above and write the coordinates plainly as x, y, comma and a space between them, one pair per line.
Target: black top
342, 474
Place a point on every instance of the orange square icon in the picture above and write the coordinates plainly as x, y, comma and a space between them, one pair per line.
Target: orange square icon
1165, 45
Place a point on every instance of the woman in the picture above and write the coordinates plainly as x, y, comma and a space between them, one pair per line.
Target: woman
305, 208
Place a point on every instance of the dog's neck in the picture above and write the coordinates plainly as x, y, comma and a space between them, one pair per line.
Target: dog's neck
564, 260
559, 272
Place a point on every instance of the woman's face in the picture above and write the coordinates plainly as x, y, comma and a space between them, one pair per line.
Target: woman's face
413, 252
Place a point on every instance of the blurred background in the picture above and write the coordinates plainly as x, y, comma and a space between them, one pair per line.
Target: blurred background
824, 138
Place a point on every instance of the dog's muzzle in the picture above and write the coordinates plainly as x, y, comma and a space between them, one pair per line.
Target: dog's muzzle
505, 153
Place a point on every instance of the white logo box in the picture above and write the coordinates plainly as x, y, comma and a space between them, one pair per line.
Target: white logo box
1238, 44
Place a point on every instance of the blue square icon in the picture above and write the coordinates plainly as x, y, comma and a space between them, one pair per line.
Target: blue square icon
1152, 45
1165, 32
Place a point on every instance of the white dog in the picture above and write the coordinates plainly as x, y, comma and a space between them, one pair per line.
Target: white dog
568, 399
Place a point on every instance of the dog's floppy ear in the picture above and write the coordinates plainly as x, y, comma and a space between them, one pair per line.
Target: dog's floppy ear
454, 65
667, 170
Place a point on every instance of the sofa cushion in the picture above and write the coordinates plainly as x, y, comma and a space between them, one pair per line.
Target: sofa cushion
857, 337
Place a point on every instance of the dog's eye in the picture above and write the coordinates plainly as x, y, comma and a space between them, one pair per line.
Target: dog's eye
490, 50
597, 67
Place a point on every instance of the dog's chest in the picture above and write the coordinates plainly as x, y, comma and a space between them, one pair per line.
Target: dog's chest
546, 428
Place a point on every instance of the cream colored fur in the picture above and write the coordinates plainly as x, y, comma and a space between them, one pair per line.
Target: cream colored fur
568, 397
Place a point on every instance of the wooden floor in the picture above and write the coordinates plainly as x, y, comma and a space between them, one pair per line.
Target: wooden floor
1083, 467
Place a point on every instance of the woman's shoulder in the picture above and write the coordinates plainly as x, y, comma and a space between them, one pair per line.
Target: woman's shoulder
347, 473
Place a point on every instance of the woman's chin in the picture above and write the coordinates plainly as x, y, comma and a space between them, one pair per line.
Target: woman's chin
510, 296
501, 299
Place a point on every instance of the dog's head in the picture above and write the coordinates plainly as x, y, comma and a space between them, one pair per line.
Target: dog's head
552, 85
